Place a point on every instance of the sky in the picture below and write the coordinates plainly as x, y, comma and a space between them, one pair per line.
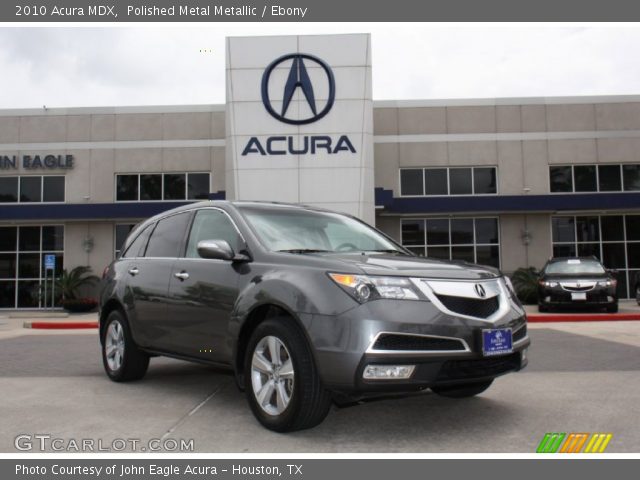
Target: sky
175, 65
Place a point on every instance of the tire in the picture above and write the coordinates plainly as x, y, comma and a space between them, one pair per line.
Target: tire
125, 361
462, 391
542, 308
612, 308
308, 402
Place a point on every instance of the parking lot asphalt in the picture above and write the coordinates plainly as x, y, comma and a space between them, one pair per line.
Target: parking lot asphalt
581, 378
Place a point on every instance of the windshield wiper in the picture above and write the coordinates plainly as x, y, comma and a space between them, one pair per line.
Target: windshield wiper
303, 250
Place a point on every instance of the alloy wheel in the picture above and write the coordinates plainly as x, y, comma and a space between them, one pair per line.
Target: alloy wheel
114, 345
272, 375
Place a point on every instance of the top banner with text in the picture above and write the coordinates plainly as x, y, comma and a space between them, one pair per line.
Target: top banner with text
318, 11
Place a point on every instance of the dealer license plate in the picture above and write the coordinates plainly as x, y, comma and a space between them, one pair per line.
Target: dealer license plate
579, 296
496, 342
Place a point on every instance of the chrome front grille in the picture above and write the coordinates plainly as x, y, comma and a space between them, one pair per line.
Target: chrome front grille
578, 286
485, 299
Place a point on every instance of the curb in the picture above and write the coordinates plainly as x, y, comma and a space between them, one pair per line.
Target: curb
60, 325
583, 317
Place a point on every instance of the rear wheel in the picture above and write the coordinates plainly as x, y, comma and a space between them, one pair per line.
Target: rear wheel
121, 357
612, 308
282, 383
462, 391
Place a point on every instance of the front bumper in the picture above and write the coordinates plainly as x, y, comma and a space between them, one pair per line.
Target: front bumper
343, 346
558, 297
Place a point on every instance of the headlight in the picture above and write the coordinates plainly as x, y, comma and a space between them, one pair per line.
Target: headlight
548, 284
365, 287
608, 283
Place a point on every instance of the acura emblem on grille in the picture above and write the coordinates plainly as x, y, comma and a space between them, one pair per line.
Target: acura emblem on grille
480, 290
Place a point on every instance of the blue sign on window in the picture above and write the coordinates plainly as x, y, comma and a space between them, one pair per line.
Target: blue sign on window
50, 262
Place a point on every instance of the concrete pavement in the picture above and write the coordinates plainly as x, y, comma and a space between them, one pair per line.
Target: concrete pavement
582, 378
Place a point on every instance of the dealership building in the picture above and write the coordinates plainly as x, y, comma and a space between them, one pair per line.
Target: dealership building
508, 182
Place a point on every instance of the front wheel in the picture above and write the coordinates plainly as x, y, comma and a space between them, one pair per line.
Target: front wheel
282, 383
121, 357
462, 391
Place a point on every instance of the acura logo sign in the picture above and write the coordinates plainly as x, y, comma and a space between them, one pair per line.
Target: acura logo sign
480, 290
298, 79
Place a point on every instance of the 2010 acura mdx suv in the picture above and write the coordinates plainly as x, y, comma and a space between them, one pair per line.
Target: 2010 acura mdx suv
307, 307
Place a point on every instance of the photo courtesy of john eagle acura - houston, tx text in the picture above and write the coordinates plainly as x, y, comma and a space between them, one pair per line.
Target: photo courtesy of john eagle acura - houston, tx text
284, 282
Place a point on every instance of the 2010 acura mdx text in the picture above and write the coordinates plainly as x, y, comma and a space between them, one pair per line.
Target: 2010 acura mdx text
307, 306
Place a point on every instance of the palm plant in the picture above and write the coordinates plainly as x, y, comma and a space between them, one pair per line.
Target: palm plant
525, 282
69, 283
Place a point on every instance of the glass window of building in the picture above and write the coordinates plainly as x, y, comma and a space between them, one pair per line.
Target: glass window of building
594, 178
610, 178
474, 240
150, 187
614, 239
127, 188
53, 188
146, 187
460, 181
411, 181
585, 178
484, 180
631, 177
198, 187
436, 181
30, 189
561, 179
448, 181
8, 189
22, 251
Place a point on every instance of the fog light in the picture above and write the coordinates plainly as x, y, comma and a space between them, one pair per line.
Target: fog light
523, 355
388, 372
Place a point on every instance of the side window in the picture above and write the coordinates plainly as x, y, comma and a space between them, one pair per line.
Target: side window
211, 224
136, 248
166, 239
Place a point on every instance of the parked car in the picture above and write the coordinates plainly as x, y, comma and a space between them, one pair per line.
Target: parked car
577, 282
307, 307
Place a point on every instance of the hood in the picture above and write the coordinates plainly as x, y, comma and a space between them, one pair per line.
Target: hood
400, 265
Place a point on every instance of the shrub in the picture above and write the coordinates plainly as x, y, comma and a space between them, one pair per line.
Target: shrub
525, 282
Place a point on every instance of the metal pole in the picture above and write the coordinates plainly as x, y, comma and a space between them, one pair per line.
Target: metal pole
45, 287
53, 288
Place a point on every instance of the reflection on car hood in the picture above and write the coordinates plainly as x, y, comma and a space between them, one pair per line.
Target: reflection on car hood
401, 265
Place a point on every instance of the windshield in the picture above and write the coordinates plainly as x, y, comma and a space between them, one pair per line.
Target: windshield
575, 267
292, 229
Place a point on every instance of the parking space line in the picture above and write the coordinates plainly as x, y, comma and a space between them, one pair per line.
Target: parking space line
185, 417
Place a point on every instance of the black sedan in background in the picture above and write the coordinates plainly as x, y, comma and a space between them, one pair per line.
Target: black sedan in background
577, 282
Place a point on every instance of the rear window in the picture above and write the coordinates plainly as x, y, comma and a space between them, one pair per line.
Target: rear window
575, 267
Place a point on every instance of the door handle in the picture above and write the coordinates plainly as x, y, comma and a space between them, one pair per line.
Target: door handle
133, 271
181, 275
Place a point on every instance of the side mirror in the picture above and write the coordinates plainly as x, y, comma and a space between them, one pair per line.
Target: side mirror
215, 249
